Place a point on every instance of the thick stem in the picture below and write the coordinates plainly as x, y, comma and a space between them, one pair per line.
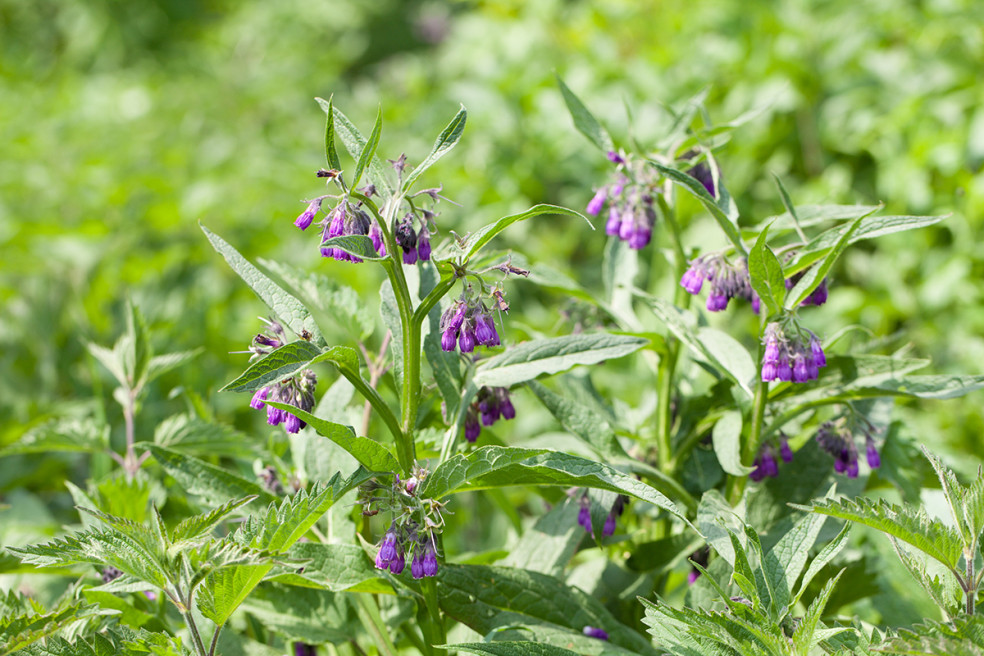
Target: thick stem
372, 396
373, 623
431, 622
664, 416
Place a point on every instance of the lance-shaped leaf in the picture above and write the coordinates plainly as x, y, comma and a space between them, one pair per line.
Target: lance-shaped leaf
445, 141
355, 144
726, 217
372, 455
726, 438
287, 308
212, 483
580, 420
331, 153
805, 636
494, 466
786, 560
68, 434
528, 360
489, 598
476, 240
766, 275
815, 275
368, 152
584, 121
275, 366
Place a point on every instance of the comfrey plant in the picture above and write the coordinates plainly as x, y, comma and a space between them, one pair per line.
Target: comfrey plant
363, 544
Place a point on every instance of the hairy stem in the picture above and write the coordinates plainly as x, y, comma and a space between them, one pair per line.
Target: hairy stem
215, 640
753, 440
130, 464
971, 579
431, 622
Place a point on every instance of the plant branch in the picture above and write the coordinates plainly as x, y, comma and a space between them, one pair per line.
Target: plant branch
215, 640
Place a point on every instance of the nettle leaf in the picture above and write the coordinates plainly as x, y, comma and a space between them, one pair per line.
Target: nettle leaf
962, 636
723, 352
200, 526
335, 567
160, 364
137, 354
282, 526
225, 590
723, 210
726, 438
512, 648
358, 245
909, 525
941, 585
355, 144
494, 466
22, 625
285, 306
766, 274
214, 484
474, 242
275, 366
867, 227
953, 492
804, 637
584, 121
527, 360
786, 560
68, 434
490, 598
445, 142
826, 555
112, 359
814, 276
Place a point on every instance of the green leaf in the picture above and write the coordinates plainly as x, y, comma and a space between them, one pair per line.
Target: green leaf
494, 466
527, 360
223, 591
160, 364
111, 359
476, 240
511, 648
22, 626
488, 598
813, 277
786, 560
128, 614
908, 525
726, 438
953, 492
445, 141
275, 366
214, 484
331, 154
804, 637
826, 555
548, 545
766, 274
721, 350
869, 227
941, 586
962, 636
335, 567
390, 312
190, 434
358, 245
68, 434
355, 144
368, 151
584, 121
726, 217
931, 387
199, 526
445, 366
137, 354
580, 420
372, 455
302, 614
287, 308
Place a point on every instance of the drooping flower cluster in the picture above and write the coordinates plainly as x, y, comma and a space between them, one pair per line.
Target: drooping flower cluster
490, 404
412, 533
415, 244
791, 354
466, 323
298, 391
346, 218
837, 439
728, 280
765, 462
630, 197
584, 514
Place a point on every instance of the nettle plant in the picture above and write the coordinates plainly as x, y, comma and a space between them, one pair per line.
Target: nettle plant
669, 481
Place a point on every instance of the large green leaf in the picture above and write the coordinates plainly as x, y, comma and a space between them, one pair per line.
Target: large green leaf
549, 544
812, 278
766, 274
584, 121
275, 366
490, 598
474, 242
68, 434
512, 648
214, 484
334, 567
223, 591
527, 360
726, 438
445, 141
287, 308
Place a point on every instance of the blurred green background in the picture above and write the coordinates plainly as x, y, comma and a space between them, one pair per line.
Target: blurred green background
124, 125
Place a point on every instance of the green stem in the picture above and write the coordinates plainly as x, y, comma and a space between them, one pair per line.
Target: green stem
971, 583
369, 616
215, 640
195, 635
430, 620
753, 440
386, 414
436, 294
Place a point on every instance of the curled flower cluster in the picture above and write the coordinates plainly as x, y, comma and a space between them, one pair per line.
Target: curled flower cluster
791, 357
727, 281
584, 514
837, 439
490, 404
298, 391
630, 198
415, 244
765, 462
467, 323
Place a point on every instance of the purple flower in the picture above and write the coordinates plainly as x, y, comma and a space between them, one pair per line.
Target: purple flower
787, 357
466, 342
430, 562
692, 576
609, 528
717, 302
837, 440
307, 216
597, 201
485, 330
409, 255
259, 398
110, 574
692, 281
615, 158
424, 246
449, 338
424, 561
304, 649
472, 427
595, 632
614, 223
817, 351
784, 451
506, 408
640, 237
584, 516
398, 564
874, 459
292, 424
390, 552
376, 235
